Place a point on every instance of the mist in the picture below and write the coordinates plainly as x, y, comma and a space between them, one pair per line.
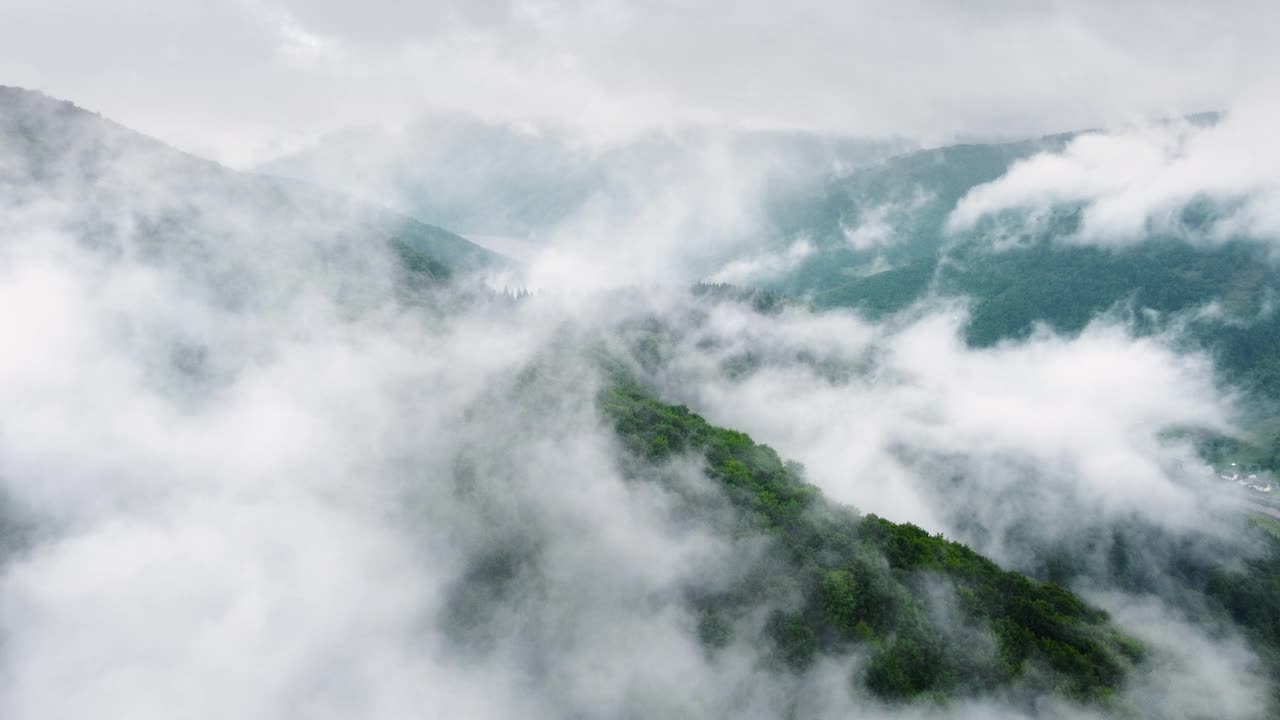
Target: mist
243, 82
287, 529
1145, 179
281, 444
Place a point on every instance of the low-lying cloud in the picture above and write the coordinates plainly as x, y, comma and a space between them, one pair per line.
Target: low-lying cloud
241, 81
1134, 183
255, 481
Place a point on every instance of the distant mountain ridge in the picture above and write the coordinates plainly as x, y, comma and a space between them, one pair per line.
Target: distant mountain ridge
881, 242
502, 179
896, 211
114, 179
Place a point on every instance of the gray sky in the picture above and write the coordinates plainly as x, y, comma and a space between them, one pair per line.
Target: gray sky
241, 80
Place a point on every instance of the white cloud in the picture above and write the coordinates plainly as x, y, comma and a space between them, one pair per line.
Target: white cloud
1133, 182
875, 225
1073, 422
668, 220
255, 483
764, 266
210, 76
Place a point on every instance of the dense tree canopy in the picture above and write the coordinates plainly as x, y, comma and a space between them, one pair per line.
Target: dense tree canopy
865, 582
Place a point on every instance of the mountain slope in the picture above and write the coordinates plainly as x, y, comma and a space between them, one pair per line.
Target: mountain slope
102, 181
867, 581
447, 475
1007, 507
495, 179
882, 242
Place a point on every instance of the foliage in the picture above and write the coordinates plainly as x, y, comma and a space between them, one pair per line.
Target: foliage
883, 292
868, 582
419, 268
765, 302
1185, 570
1250, 593
1022, 268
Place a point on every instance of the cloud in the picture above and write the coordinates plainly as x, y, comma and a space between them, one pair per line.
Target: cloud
277, 528
1084, 413
762, 267
1022, 450
1204, 664
669, 219
1134, 182
874, 227
259, 485
374, 513
242, 81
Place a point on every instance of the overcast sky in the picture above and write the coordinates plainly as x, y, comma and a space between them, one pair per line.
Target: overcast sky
241, 80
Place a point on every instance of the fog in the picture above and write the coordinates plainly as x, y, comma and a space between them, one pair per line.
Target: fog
245, 81
1087, 408
244, 493
1141, 180
248, 470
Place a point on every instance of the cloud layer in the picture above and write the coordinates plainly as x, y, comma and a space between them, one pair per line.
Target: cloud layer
242, 80
1133, 183
252, 480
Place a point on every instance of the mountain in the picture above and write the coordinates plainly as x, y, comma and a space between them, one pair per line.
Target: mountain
492, 179
1227, 581
103, 182
864, 582
245, 417
897, 209
487, 179
882, 242
813, 580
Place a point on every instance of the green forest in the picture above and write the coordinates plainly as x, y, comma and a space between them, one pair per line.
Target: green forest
863, 581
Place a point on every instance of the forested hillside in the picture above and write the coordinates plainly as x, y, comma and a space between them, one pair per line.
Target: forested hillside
840, 582
884, 242
435, 484
630, 360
